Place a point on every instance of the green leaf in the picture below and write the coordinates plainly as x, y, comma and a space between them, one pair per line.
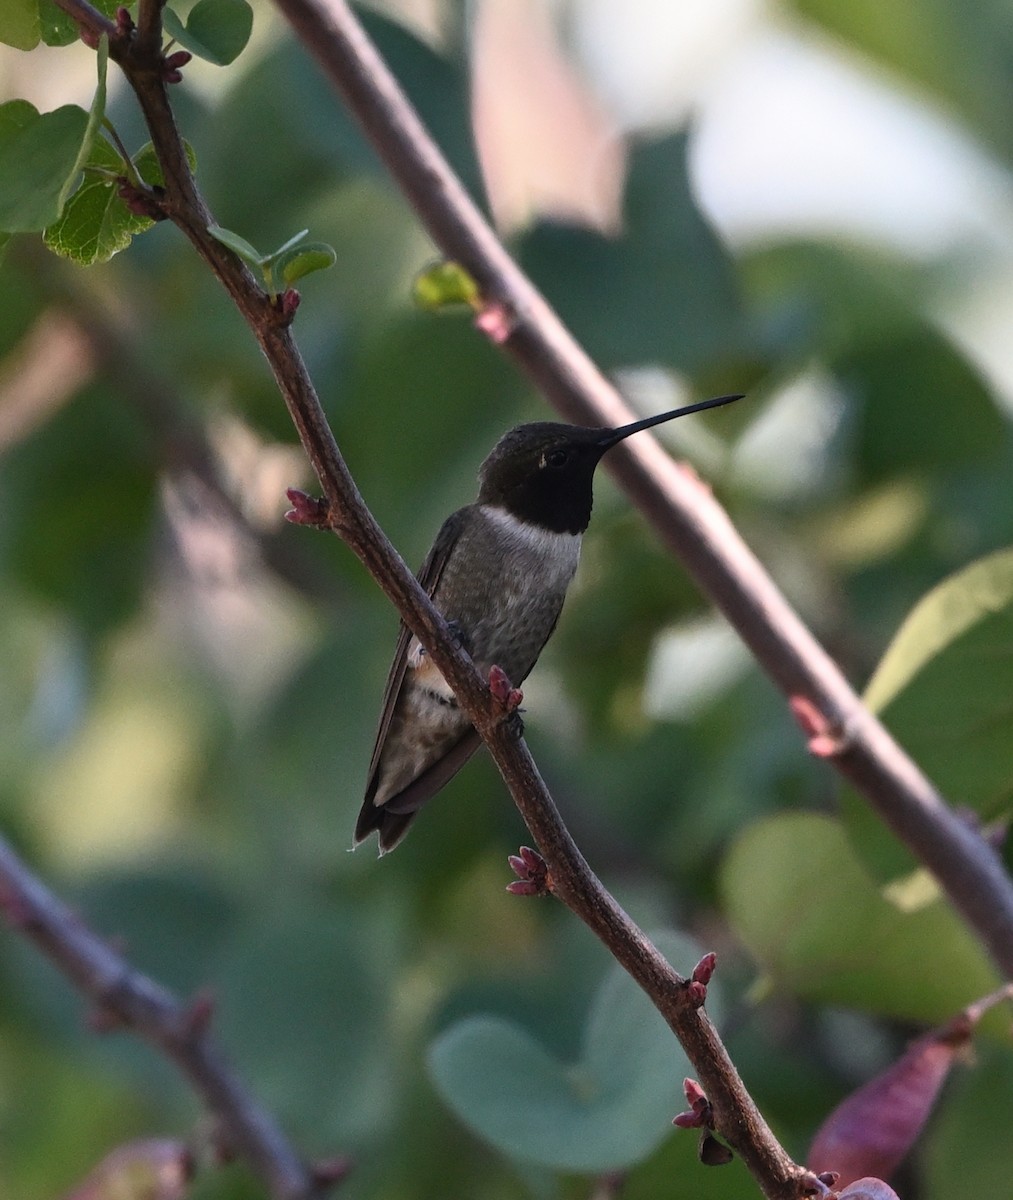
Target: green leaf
605, 1112
96, 223
215, 30
238, 245
19, 24
668, 267
38, 158
917, 404
944, 690
976, 1113
924, 406
146, 163
820, 929
294, 240
315, 256
319, 977
58, 27
442, 285
89, 559
96, 115
964, 64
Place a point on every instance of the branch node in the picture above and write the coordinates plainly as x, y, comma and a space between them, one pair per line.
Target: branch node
144, 201
308, 510
532, 871
497, 321
503, 691
697, 993
286, 304
329, 1172
124, 22
195, 1020
826, 738
699, 1115
173, 64
103, 1018
820, 1185
16, 909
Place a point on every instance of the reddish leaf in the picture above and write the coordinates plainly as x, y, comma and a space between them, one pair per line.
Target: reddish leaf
146, 1169
872, 1130
869, 1189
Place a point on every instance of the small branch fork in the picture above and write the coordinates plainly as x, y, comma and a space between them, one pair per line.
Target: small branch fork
123, 998
708, 544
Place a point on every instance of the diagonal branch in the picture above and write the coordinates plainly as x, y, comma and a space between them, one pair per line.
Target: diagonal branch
690, 522
124, 997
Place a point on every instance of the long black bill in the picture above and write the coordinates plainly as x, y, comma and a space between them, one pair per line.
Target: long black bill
611, 436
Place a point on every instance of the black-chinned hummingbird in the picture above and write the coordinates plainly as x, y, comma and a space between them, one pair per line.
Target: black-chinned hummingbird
498, 572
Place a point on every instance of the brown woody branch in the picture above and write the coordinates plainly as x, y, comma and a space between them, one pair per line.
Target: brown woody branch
690, 522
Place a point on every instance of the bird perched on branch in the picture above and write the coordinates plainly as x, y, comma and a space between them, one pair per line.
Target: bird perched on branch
498, 572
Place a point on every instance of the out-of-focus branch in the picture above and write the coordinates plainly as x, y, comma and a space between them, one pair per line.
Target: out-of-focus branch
124, 998
686, 516
101, 337
735, 1115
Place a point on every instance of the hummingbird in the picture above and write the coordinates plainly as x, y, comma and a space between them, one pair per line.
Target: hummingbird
498, 572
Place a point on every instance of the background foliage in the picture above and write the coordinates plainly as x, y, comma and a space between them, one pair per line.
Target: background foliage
189, 687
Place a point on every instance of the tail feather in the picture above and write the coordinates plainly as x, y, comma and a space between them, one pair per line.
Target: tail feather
391, 819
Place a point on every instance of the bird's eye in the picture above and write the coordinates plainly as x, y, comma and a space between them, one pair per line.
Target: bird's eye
556, 458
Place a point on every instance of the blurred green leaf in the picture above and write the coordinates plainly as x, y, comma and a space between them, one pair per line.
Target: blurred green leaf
138, 906
305, 996
215, 30
677, 1159
965, 63
820, 929
78, 501
943, 689
923, 406
917, 404
667, 265
146, 162
19, 24
606, 1111
238, 245
38, 160
444, 284
60, 29
296, 264
975, 1115
944, 685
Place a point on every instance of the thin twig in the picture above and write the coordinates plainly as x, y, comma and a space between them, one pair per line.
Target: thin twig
124, 997
690, 522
